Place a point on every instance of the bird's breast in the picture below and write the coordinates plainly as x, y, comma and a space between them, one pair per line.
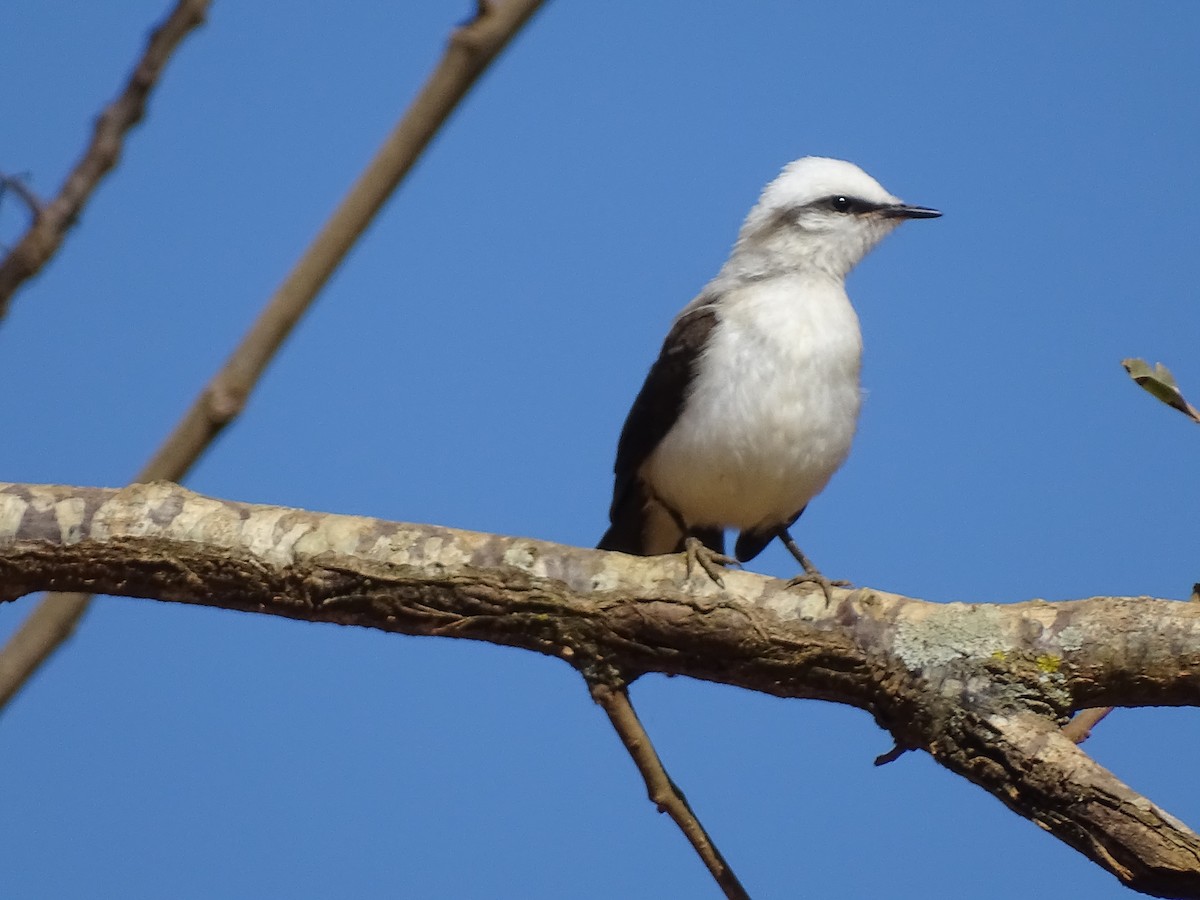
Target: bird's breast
771, 412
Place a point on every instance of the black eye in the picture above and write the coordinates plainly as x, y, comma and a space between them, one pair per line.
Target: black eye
840, 204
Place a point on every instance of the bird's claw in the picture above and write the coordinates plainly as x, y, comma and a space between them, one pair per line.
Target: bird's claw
707, 559
827, 585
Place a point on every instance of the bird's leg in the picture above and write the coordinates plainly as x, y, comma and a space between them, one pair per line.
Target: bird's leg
696, 553
712, 562
811, 574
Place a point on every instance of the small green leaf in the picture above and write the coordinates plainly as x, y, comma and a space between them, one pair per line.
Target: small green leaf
1161, 383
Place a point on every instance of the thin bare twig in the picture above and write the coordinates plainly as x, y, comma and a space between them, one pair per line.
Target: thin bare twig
53, 220
1079, 729
892, 755
664, 793
16, 184
473, 46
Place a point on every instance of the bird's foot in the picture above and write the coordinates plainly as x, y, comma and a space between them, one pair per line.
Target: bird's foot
712, 562
814, 577
811, 574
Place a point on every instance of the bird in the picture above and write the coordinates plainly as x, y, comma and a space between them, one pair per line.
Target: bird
753, 401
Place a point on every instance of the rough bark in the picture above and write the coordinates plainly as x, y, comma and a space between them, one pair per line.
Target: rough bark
983, 688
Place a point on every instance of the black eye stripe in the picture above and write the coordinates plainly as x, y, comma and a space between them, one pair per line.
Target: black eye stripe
844, 203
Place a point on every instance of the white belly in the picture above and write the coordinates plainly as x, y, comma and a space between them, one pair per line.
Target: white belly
772, 413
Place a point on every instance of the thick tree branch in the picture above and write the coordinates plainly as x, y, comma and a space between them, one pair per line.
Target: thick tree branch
472, 48
53, 220
983, 688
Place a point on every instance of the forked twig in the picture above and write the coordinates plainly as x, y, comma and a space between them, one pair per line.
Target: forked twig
52, 220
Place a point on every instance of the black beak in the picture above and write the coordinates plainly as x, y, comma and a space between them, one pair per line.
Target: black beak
900, 211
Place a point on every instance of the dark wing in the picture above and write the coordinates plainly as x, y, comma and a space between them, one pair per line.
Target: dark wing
655, 410
627, 528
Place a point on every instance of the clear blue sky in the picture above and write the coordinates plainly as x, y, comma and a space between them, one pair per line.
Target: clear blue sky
471, 365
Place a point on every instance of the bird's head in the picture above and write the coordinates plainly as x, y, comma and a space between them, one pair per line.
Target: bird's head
820, 214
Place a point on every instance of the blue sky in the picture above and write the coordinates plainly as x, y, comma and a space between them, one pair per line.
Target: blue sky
471, 365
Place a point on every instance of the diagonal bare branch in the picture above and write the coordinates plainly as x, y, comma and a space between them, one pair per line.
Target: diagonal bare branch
473, 46
1041, 774
662, 790
53, 220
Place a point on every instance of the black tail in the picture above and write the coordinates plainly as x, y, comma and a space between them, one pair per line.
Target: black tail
626, 534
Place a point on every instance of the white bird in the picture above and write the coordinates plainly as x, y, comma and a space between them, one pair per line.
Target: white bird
753, 401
